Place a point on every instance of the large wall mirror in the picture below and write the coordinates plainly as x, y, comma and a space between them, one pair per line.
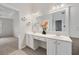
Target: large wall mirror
56, 21
47, 17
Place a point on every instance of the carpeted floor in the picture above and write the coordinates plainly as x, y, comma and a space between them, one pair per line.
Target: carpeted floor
8, 45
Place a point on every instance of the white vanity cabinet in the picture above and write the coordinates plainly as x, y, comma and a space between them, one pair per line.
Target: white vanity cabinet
64, 48
55, 45
51, 47
29, 41
58, 47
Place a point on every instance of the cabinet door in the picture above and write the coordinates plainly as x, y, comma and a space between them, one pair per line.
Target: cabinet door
31, 42
27, 40
59, 18
51, 47
63, 48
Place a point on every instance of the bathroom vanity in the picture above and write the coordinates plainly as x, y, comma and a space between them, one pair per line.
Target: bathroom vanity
57, 42
55, 45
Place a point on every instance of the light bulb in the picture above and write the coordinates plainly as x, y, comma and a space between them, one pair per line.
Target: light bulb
62, 5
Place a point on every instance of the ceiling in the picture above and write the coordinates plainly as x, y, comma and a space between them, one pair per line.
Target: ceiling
33, 7
30, 8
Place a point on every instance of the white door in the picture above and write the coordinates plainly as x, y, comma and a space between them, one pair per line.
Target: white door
74, 22
51, 47
63, 48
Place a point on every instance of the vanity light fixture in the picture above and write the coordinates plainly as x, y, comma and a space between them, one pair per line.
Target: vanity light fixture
52, 9
56, 7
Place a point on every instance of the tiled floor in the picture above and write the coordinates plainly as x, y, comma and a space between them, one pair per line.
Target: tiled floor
28, 51
9, 46
18, 52
39, 51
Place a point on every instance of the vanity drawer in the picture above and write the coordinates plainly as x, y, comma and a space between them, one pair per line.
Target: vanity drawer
42, 39
35, 37
39, 38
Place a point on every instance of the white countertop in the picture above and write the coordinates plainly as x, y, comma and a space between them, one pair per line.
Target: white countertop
52, 36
